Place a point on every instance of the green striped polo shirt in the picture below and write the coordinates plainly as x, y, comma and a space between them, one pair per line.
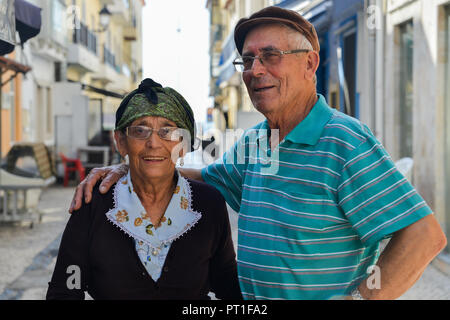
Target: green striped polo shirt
313, 211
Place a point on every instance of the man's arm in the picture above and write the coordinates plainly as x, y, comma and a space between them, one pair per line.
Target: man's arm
111, 175
405, 258
193, 174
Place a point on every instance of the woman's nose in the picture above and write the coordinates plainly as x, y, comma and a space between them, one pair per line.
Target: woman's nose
154, 140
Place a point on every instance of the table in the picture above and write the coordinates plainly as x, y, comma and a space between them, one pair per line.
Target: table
15, 184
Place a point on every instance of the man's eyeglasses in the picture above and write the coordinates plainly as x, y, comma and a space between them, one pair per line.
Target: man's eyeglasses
267, 58
143, 133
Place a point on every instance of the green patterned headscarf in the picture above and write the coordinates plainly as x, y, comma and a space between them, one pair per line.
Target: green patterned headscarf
151, 99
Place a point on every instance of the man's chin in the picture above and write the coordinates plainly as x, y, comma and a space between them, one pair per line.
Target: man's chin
264, 106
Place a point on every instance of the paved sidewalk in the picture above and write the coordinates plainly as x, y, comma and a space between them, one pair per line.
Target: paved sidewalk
27, 256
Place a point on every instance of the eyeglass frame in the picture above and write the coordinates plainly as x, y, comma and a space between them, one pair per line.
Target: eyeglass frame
151, 130
241, 63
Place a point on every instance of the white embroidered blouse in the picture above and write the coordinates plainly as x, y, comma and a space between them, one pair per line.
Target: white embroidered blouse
152, 244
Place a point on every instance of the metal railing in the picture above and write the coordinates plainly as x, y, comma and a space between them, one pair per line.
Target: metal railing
85, 37
108, 57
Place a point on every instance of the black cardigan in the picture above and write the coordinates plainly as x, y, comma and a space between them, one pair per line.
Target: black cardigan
200, 261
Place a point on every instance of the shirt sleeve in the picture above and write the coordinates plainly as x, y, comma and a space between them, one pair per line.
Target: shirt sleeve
226, 175
375, 197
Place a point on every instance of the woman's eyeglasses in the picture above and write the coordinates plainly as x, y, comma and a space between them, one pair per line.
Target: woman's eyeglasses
143, 133
267, 58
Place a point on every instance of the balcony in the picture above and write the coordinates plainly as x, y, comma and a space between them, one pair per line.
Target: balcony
105, 74
83, 50
130, 33
108, 70
120, 11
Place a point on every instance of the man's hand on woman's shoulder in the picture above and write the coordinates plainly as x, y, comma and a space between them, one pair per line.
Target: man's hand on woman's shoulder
109, 175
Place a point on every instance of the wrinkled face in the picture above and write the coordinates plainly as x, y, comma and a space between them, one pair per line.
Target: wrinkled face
152, 157
273, 88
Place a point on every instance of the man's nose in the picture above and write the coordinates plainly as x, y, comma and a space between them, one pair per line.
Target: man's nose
258, 67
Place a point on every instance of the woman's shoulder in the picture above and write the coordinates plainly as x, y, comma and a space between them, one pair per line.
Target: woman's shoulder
102, 199
203, 190
206, 198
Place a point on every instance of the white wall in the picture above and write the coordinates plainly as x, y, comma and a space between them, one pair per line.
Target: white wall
429, 126
71, 117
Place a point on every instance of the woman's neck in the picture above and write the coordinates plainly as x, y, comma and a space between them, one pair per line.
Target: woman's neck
155, 194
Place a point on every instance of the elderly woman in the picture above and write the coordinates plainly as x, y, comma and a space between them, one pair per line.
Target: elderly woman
155, 235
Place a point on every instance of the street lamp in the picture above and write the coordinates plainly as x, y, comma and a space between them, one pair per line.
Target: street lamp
105, 16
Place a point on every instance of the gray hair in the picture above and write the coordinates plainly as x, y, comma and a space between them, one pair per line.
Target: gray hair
297, 40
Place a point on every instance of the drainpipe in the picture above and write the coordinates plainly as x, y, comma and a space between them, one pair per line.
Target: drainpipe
371, 14
379, 70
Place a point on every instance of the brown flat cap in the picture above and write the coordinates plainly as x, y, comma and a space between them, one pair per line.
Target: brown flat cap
273, 14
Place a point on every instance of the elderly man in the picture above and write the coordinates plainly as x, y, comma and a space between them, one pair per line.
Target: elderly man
312, 229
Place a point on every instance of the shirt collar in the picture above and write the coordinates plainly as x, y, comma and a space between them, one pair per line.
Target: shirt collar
309, 130
130, 216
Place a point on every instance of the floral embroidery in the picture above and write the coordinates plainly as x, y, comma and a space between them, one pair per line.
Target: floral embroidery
184, 203
125, 181
122, 216
145, 216
169, 222
177, 189
148, 229
138, 222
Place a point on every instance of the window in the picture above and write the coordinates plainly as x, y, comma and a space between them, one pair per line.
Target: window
349, 52
406, 89
58, 17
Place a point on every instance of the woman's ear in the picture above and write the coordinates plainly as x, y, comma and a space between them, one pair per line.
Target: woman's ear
121, 143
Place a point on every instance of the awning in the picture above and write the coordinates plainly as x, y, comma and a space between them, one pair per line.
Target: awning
20, 16
228, 55
28, 20
287, 4
320, 15
9, 64
101, 91
7, 27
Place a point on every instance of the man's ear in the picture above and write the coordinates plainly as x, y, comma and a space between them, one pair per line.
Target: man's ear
121, 143
312, 64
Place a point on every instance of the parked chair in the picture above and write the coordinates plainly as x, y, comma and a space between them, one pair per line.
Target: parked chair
71, 165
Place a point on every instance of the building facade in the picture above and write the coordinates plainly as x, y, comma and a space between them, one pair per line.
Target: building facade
416, 95
231, 101
80, 70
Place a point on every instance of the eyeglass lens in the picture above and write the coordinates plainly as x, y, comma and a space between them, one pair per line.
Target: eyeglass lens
142, 132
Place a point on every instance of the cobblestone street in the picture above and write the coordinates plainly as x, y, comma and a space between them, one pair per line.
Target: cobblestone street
28, 255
